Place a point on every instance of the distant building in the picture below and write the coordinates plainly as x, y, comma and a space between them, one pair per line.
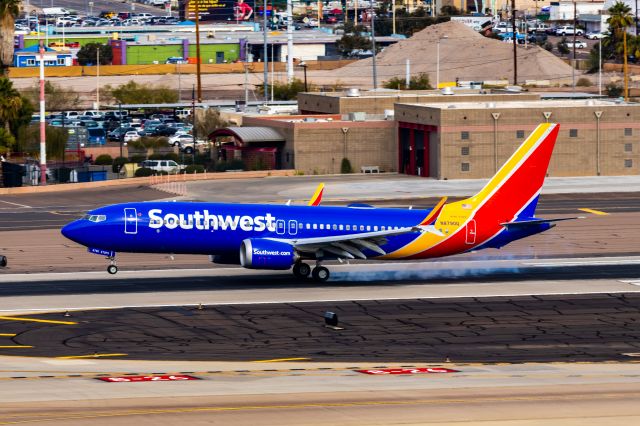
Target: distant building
30, 57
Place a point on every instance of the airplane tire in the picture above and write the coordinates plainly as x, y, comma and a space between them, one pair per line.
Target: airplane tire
3, 261
301, 270
112, 269
320, 274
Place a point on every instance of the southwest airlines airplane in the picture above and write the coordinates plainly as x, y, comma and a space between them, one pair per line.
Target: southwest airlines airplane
265, 236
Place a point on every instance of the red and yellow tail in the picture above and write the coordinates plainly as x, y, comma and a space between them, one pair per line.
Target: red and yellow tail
511, 194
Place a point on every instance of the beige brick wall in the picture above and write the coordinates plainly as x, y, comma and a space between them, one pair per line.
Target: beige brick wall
573, 156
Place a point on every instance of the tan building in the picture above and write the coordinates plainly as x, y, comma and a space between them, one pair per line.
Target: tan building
470, 140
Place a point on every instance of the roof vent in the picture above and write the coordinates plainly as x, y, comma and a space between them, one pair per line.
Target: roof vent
491, 105
447, 91
353, 92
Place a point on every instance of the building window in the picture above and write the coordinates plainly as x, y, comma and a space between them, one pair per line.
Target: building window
465, 167
464, 150
60, 61
31, 62
628, 147
573, 133
628, 163
520, 134
464, 135
628, 131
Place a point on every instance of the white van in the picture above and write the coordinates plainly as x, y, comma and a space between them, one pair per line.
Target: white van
92, 114
168, 166
183, 113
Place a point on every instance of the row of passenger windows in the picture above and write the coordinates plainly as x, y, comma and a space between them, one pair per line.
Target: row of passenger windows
343, 227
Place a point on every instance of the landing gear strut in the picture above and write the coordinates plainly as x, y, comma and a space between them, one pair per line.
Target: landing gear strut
301, 270
112, 268
3, 261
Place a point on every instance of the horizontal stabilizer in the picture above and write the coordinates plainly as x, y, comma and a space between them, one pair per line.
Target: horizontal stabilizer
534, 222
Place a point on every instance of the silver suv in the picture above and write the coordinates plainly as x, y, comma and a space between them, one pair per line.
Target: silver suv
168, 166
568, 30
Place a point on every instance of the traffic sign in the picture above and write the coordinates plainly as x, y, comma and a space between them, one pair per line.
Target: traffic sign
387, 371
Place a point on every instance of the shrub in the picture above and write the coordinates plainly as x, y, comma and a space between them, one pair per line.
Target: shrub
172, 156
613, 90
194, 168
417, 82
548, 46
103, 160
138, 158
143, 172
562, 46
230, 165
118, 163
345, 166
583, 82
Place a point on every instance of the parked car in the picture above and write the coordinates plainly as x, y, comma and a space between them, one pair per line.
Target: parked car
96, 136
537, 37
92, 114
168, 166
164, 130
568, 30
578, 44
596, 35
180, 139
131, 136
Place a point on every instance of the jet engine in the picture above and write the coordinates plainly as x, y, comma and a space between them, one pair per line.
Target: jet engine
259, 253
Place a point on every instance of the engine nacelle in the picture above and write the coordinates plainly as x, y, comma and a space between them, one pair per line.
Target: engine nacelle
257, 253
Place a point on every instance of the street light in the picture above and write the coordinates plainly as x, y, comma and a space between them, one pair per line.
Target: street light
438, 60
120, 117
304, 66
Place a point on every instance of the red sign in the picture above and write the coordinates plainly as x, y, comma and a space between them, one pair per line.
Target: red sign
147, 378
384, 371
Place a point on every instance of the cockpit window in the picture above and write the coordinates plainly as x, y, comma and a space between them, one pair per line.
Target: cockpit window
94, 217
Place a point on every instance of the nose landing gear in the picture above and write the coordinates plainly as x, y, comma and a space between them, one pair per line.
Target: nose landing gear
113, 267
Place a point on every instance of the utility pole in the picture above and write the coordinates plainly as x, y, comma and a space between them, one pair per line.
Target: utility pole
98, 77
515, 42
373, 47
289, 41
265, 52
198, 60
43, 134
573, 61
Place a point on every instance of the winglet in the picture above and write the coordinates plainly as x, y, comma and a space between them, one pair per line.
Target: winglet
435, 212
317, 196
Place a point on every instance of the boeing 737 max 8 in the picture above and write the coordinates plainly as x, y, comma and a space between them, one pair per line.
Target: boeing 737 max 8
266, 236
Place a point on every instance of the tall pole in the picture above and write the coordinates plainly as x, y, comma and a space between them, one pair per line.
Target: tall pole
600, 67
407, 76
98, 78
438, 64
635, 17
265, 52
573, 61
393, 11
373, 47
515, 42
273, 71
198, 60
193, 121
43, 134
626, 69
289, 42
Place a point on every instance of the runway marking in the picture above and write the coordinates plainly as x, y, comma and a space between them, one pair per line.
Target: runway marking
53, 416
16, 204
282, 360
15, 347
37, 320
584, 263
632, 282
7, 334
596, 212
89, 356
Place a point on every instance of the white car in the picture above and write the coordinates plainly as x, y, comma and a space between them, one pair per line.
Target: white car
579, 45
568, 30
168, 166
131, 136
180, 139
595, 35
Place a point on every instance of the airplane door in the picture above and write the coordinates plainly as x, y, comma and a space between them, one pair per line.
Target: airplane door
280, 227
471, 232
293, 227
130, 221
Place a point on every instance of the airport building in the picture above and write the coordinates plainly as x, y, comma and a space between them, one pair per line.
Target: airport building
464, 135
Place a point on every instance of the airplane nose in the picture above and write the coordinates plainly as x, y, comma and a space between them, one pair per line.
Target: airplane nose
72, 231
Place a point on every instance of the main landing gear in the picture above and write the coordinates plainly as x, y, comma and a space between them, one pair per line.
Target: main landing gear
113, 267
319, 273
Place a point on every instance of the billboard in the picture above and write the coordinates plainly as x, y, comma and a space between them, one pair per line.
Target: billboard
218, 10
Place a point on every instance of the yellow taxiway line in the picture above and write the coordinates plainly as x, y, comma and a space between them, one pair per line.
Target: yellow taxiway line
15, 347
7, 335
89, 356
596, 212
38, 320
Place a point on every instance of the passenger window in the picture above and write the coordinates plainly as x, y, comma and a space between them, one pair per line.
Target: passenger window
341, 227
315, 226
308, 226
375, 228
362, 227
334, 227
322, 226
348, 227
368, 228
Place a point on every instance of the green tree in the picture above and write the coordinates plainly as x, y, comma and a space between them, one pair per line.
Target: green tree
620, 19
416, 82
562, 46
11, 106
9, 10
88, 54
57, 98
134, 93
353, 40
209, 120
57, 138
286, 91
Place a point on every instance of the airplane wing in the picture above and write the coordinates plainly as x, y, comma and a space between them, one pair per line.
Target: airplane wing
526, 223
317, 196
350, 246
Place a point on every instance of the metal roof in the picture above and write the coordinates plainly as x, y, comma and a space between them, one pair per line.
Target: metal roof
250, 134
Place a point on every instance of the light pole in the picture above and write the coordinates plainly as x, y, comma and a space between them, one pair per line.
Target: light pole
438, 60
304, 66
120, 117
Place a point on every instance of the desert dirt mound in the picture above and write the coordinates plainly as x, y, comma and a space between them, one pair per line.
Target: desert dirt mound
464, 54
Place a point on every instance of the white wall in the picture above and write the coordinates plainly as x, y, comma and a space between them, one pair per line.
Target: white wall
304, 52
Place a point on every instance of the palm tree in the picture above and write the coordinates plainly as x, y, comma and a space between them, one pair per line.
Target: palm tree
620, 19
9, 10
10, 109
